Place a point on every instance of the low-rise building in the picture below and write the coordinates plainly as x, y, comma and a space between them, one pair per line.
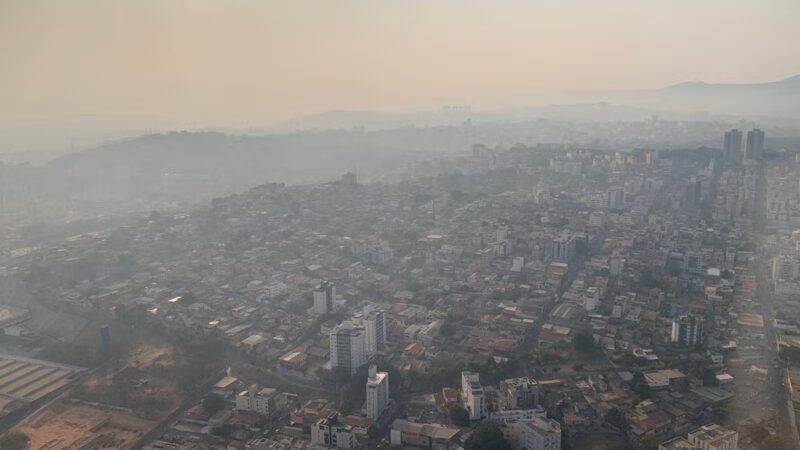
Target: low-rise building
261, 402
424, 435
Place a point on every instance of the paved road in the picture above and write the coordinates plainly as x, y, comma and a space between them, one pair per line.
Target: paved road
778, 389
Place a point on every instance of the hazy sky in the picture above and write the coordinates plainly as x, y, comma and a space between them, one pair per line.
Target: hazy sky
252, 62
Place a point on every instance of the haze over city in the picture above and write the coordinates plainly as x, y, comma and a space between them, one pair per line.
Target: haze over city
399, 225
205, 64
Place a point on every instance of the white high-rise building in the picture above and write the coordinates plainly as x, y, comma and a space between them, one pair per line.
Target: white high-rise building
540, 434
348, 347
377, 392
375, 328
324, 298
472, 395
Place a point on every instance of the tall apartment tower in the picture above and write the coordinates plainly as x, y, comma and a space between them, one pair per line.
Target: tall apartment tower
755, 144
348, 347
377, 393
375, 328
732, 147
472, 395
615, 198
324, 298
563, 248
687, 330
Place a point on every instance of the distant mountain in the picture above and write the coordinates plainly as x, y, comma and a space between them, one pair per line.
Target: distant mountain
599, 111
772, 99
161, 171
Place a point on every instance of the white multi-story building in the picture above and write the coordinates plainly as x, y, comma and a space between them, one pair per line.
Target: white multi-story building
375, 328
276, 289
591, 298
257, 401
324, 298
348, 347
518, 415
540, 434
329, 432
714, 437
472, 395
509, 420
709, 437
377, 393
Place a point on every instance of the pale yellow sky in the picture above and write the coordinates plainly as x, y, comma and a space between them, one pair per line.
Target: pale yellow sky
253, 62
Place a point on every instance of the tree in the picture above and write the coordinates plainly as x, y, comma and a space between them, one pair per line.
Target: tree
615, 417
374, 433
212, 403
487, 436
459, 416
726, 274
777, 442
710, 378
584, 341
674, 268
639, 386
14, 440
223, 430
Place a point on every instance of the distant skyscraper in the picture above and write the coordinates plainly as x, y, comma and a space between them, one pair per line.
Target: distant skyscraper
732, 147
375, 328
755, 144
377, 392
324, 298
348, 347
615, 198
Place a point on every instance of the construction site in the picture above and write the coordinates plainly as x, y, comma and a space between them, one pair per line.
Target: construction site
79, 426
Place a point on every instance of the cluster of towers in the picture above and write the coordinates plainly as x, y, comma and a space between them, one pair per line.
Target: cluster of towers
734, 150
